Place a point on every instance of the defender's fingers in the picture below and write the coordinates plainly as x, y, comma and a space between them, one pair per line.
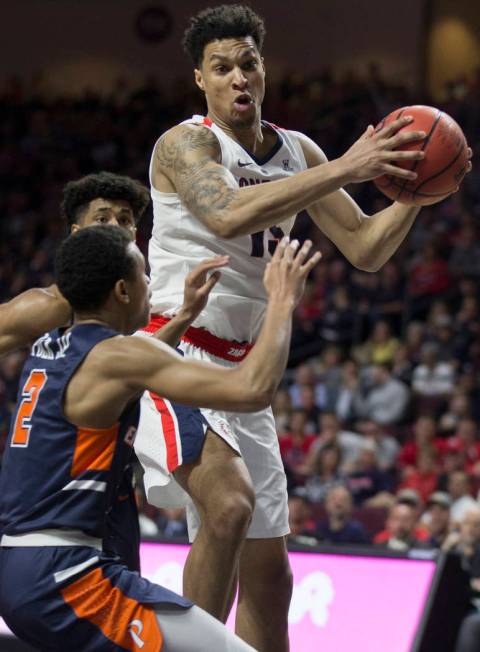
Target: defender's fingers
211, 282
198, 273
291, 251
303, 253
310, 264
280, 249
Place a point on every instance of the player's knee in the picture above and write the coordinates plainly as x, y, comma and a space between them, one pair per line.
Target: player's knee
232, 516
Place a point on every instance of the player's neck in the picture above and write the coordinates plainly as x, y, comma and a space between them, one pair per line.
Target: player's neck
102, 317
251, 137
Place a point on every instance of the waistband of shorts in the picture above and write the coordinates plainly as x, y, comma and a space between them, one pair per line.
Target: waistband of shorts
203, 339
54, 538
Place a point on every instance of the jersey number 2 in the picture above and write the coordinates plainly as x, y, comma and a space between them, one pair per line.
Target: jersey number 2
30, 393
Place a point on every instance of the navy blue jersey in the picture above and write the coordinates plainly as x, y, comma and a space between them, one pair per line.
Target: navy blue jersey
55, 474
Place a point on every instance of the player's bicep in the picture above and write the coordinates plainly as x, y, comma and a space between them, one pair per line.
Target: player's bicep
190, 157
28, 316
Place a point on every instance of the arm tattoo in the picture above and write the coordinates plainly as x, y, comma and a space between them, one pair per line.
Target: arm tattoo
191, 160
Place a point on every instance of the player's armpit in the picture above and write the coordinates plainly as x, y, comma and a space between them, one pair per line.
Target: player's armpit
189, 156
28, 316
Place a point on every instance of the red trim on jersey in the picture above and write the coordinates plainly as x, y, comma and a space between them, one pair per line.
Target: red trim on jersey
271, 124
207, 122
203, 339
168, 427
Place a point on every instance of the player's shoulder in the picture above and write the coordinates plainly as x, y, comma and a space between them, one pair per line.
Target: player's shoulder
313, 153
188, 136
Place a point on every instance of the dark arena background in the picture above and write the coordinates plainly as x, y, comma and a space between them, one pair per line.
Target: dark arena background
381, 396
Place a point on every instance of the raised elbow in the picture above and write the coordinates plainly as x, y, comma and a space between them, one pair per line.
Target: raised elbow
365, 261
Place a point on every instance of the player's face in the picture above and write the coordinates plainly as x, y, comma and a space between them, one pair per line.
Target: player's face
116, 212
139, 294
232, 76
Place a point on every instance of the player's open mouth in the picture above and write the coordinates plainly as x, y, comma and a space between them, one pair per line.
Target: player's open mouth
243, 102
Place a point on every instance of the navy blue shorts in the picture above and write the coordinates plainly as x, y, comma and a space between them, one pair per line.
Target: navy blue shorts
75, 599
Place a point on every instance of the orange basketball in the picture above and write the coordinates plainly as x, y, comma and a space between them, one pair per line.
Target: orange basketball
445, 162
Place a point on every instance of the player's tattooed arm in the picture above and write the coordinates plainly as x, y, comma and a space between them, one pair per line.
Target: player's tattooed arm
28, 316
189, 156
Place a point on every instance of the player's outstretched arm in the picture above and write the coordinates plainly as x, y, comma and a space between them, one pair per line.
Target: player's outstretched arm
189, 158
28, 316
366, 241
251, 385
198, 286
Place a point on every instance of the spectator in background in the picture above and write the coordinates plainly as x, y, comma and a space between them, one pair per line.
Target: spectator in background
304, 377
367, 480
414, 339
459, 488
342, 401
401, 523
387, 447
295, 446
380, 348
282, 410
423, 477
465, 257
331, 432
466, 441
410, 498
402, 367
386, 401
307, 403
300, 518
458, 408
172, 523
324, 472
437, 518
432, 379
424, 432
339, 526
389, 304
429, 278
338, 320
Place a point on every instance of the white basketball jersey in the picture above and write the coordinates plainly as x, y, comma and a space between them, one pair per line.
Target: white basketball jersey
180, 241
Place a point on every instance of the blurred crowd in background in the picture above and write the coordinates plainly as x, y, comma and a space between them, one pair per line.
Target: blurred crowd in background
378, 414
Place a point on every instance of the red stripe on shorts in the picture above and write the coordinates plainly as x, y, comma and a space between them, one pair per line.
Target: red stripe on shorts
203, 339
169, 431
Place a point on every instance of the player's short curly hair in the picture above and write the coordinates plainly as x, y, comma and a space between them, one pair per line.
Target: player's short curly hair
89, 262
224, 21
78, 194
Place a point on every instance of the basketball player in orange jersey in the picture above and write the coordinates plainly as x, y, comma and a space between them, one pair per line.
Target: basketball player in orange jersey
77, 412
232, 183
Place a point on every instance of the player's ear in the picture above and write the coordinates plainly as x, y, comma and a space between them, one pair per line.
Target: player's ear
199, 79
121, 292
74, 228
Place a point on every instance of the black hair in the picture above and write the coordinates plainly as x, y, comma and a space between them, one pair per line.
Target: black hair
224, 21
78, 194
89, 262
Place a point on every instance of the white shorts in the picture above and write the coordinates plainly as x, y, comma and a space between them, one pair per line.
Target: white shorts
169, 435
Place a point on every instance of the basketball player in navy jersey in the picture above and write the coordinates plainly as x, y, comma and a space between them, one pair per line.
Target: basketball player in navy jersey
77, 411
105, 198
232, 183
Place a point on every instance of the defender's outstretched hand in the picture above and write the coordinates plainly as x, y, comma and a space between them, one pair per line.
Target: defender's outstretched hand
285, 275
198, 285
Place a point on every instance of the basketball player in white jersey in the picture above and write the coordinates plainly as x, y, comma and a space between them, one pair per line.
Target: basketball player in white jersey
231, 183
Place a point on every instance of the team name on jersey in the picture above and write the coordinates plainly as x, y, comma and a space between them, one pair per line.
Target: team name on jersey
44, 347
244, 181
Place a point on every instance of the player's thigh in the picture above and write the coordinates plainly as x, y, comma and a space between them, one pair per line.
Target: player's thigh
218, 474
194, 630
